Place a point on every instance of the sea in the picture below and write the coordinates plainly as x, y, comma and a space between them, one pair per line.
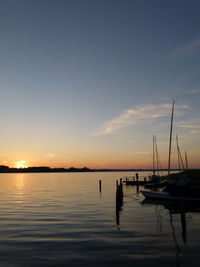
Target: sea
63, 219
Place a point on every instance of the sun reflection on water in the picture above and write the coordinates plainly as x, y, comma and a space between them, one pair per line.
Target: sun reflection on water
19, 184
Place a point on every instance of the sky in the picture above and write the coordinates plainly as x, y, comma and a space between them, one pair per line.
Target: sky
89, 82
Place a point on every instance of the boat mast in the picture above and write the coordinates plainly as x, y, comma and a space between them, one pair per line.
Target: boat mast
179, 163
186, 160
157, 158
170, 138
154, 155
179, 155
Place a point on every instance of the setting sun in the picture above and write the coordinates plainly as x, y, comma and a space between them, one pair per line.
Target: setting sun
21, 164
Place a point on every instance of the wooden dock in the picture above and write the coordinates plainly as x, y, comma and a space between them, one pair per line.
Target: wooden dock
134, 180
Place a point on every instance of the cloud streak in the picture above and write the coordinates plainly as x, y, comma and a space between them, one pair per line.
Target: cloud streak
195, 132
50, 155
140, 153
189, 124
140, 114
187, 49
193, 92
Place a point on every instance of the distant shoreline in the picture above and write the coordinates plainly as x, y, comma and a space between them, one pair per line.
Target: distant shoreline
6, 169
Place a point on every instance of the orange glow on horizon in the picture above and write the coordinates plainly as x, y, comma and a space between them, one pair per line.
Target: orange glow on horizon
125, 162
21, 164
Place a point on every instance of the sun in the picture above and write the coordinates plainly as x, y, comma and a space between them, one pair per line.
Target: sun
21, 164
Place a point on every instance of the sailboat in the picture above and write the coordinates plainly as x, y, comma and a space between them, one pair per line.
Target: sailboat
175, 192
178, 191
155, 181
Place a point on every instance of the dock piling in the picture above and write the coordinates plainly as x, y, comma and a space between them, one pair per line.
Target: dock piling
136, 177
119, 199
100, 186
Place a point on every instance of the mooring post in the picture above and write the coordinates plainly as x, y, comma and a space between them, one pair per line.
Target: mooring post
136, 177
121, 190
119, 195
99, 185
183, 221
137, 188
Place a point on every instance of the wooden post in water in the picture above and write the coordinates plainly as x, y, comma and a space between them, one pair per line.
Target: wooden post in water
119, 193
119, 199
136, 177
137, 188
100, 186
121, 188
183, 221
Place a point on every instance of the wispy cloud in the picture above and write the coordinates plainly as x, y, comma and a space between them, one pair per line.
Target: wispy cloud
68, 161
195, 132
189, 126
193, 92
140, 153
139, 114
50, 155
4, 162
187, 49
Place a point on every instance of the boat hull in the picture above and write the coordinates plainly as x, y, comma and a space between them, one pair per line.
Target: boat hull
165, 196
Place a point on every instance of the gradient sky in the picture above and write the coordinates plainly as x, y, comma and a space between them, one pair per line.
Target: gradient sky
88, 82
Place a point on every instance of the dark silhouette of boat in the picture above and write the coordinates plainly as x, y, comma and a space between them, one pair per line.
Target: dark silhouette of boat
187, 192
183, 190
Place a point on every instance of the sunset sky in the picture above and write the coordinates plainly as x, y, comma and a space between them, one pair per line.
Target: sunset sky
89, 82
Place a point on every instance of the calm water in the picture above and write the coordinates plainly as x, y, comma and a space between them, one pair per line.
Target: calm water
62, 220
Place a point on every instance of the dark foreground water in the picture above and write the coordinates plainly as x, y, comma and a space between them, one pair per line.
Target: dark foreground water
63, 220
